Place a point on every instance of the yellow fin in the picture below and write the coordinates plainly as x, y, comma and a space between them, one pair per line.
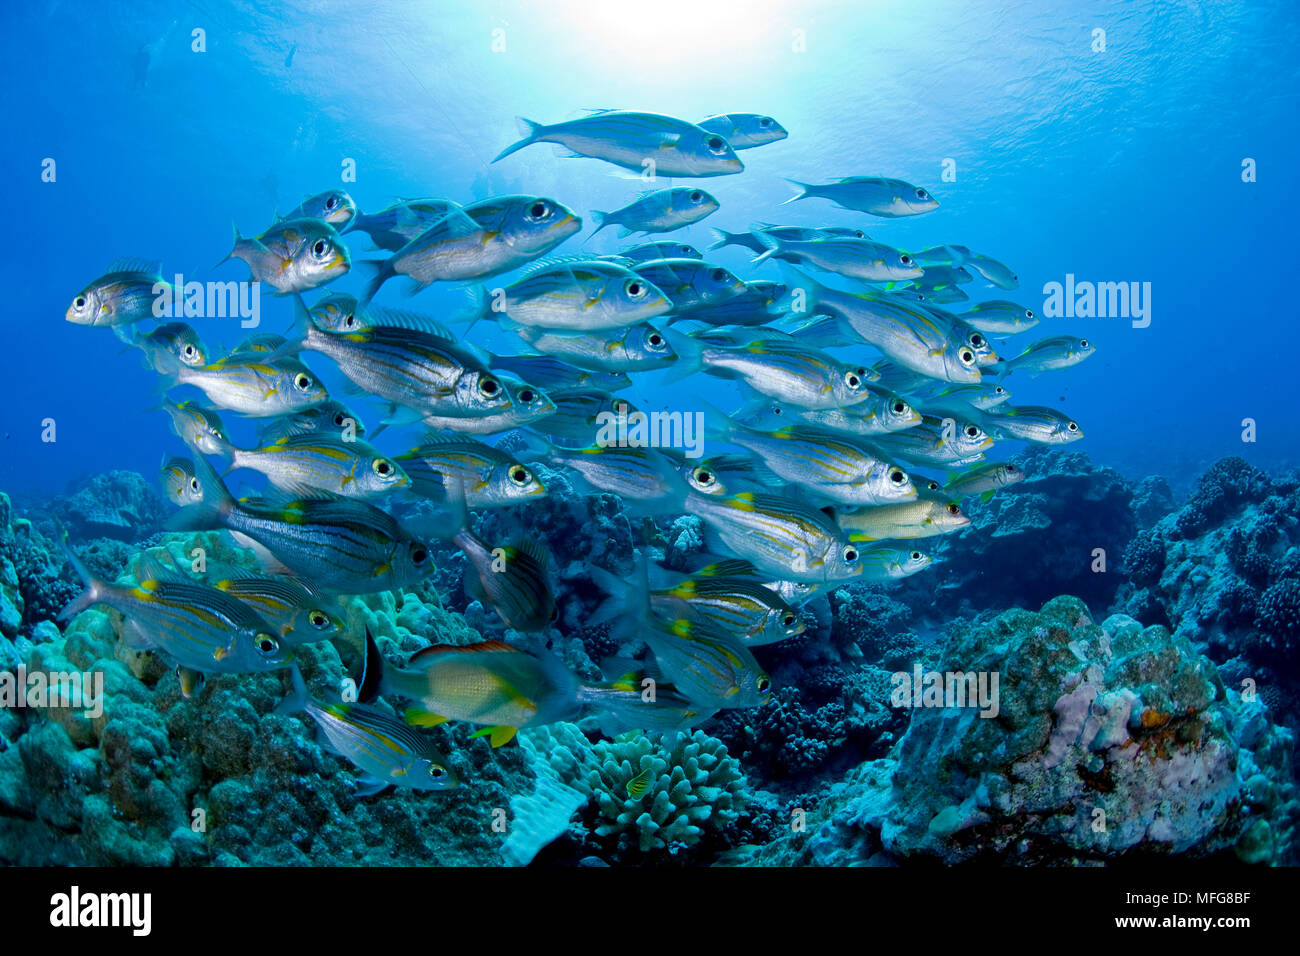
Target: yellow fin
498, 735
422, 718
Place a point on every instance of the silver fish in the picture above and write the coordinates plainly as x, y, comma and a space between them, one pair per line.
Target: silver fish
294, 255
629, 139
661, 210
889, 198
126, 293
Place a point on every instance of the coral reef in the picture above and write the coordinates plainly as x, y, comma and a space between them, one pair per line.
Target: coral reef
687, 787
1109, 741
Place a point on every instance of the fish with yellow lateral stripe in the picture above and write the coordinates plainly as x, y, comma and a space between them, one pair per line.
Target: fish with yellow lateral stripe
386, 750
317, 462
199, 627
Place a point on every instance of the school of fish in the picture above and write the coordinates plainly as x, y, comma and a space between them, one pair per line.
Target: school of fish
860, 386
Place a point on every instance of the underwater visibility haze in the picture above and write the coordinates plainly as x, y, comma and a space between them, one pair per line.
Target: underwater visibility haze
577, 433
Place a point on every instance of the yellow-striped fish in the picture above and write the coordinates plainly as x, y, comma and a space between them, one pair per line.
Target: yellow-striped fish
386, 750
201, 628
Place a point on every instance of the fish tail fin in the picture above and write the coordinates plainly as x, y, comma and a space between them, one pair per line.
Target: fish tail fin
773, 245
602, 218
718, 425
210, 513
690, 354
629, 600
296, 702
531, 131
234, 248
535, 446
295, 336
372, 673
724, 238
806, 190
613, 606
480, 308
796, 280
381, 271
93, 587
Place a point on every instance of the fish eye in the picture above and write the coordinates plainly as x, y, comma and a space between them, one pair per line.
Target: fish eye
519, 475
972, 431
716, 144
1073, 426
999, 390
977, 340
852, 379
194, 484
349, 320
850, 554
905, 259
635, 289
718, 275
655, 339
764, 685
897, 476
788, 620
777, 410
967, 357
696, 196
527, 396
419, 554
703, 476
922, 194
331, 203
436, 771
339, 419
320, 248
1029, 313
932, 485
318, 619
489, 386
916, 555
899, 407
859, 233
188, 351
383, 467
302, 381
1083, 343
765, 121
539, 210
954, 508
79, 302
266, 645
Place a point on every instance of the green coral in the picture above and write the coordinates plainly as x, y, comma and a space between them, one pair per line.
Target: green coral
694, 785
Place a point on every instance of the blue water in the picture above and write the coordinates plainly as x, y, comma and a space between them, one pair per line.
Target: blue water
1122, 165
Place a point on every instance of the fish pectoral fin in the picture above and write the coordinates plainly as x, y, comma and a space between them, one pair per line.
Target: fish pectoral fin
423, 718
496, 735
987, 496
669, 140
368, 786
489, 236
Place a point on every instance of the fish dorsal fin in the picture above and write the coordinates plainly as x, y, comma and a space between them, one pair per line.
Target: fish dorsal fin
151, 267
397, 318
534, 549
554, 262
438, 650
150, 568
